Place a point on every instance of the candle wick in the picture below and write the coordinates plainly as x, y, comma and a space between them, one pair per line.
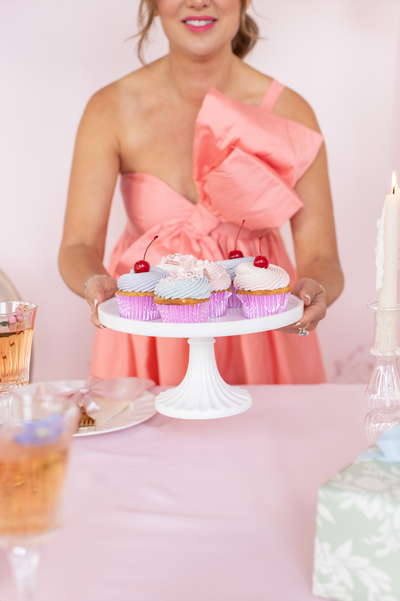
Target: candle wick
394, 190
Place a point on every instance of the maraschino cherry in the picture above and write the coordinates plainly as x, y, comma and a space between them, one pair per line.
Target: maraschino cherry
260, 260
143, 266
237, 254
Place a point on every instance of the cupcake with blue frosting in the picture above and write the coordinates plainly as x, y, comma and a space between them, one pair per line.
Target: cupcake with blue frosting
135, 294
184, 297
231, 265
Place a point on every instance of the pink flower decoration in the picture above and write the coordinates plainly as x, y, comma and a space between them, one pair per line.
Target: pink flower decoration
12, 320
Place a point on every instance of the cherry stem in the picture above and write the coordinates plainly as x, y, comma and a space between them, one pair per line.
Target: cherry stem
240, 229
144, 257
261, 237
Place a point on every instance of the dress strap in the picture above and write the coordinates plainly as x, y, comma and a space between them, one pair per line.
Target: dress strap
272, 96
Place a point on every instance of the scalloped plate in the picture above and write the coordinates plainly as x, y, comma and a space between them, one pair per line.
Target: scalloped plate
138, 411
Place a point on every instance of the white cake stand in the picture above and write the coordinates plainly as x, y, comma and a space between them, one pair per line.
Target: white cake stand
202, 394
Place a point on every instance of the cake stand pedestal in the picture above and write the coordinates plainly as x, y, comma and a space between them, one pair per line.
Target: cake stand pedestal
202, 394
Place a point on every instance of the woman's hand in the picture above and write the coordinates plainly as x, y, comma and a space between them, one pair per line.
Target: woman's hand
99, 289
314, 298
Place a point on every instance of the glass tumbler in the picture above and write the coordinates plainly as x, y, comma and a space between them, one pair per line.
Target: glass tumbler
17, 320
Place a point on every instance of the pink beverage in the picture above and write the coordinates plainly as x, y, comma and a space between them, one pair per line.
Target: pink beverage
34, 445
16, 331
31, 486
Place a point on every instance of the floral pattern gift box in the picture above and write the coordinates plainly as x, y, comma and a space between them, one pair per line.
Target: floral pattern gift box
357, 545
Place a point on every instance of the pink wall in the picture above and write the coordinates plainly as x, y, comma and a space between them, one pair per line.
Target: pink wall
343, 56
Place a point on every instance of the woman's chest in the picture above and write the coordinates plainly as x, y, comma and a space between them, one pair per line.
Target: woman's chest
160, 142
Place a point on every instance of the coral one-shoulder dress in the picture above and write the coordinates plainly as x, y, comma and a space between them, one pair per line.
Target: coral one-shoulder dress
246, 162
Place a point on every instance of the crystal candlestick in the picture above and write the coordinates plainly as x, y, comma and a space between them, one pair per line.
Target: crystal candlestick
383, 392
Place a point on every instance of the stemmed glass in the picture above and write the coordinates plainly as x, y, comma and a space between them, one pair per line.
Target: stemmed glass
34, 446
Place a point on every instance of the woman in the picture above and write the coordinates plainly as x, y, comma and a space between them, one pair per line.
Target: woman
202, 141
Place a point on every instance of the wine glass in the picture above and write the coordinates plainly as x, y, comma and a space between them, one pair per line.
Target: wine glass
17, 320
34, 446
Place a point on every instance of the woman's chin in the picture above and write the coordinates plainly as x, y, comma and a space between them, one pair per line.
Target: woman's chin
203, 49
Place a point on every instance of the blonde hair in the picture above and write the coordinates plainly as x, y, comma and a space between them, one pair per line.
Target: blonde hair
242, 43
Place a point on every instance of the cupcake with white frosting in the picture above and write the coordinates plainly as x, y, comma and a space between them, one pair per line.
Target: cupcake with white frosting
135, 294
263, 291
183, 297
220, 285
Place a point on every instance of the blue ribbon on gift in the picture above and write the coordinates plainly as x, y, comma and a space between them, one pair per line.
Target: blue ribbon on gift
389, 444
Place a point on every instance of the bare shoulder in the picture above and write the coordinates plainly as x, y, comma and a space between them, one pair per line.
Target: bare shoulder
110, 104
293, 106
253, 84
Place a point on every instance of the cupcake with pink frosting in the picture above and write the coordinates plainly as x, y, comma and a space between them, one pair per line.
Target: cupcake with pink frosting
263, 290
177, 263
220, 285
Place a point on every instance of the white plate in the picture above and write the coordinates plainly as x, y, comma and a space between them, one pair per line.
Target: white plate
138, 411
232, 324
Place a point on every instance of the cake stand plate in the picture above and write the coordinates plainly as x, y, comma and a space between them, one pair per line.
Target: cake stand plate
202, 394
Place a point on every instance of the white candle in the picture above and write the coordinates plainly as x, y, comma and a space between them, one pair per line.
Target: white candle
387, 249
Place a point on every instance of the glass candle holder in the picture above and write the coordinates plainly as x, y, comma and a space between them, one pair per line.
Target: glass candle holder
383, 391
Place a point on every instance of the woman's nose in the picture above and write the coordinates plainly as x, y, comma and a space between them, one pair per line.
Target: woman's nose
198, 4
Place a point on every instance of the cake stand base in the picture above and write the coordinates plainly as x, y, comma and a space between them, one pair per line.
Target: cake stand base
203, 394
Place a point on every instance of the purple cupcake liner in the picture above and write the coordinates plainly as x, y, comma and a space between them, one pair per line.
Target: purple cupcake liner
141, 308
234, 301
197, 313
262, 305
219, 303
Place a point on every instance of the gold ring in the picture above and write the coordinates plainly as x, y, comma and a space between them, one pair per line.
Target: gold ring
303, 331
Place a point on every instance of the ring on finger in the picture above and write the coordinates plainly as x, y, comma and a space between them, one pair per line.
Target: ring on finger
303, 331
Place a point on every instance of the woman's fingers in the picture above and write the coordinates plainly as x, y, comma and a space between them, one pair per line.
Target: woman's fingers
314, 300
98, 290
95, 315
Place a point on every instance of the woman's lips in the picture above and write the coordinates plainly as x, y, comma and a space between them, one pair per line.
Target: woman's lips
199, 24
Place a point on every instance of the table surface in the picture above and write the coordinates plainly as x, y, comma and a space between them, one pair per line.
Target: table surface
219, 510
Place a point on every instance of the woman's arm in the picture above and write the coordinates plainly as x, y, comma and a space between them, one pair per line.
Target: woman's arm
95, 169
313, 227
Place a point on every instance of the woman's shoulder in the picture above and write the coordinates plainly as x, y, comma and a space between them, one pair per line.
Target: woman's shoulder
290, 104
294, 107
127, 93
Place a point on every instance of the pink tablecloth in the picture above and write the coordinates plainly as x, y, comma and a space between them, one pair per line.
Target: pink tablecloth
220, 510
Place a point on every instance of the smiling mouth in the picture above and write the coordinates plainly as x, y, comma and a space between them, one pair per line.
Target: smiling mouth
199, 22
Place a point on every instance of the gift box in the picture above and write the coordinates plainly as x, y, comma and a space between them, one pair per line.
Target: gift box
357, 544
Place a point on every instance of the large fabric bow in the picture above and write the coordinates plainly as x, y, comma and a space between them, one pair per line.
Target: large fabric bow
246, 162
124, 389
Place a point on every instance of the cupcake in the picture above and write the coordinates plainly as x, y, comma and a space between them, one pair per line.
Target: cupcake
262, 290
220, 285
177, 263
135, 294
234, 301
183, 297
